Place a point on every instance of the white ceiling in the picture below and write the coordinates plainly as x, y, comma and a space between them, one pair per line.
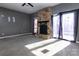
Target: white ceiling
27, 9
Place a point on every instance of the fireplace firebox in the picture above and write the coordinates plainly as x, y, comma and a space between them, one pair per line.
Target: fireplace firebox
43, 27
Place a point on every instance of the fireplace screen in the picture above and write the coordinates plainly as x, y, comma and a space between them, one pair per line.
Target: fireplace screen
43, 28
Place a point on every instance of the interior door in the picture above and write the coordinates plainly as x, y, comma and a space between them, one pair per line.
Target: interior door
68, 26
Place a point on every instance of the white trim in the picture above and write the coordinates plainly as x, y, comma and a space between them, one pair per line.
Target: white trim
15, 35
77, 41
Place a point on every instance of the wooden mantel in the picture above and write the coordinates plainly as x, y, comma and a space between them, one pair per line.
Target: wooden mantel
42, 21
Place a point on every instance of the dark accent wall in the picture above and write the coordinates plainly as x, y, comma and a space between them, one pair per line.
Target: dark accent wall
21, 25
67, 7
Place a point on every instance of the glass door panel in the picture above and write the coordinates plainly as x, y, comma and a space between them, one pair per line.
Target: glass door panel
68, 26
56, 21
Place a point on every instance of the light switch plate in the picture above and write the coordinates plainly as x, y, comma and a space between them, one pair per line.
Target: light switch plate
8, 19
13, 19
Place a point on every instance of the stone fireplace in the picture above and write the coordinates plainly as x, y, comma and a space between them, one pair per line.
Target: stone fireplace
44, 23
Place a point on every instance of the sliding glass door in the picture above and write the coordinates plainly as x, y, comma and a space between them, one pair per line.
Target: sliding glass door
68, 26
64, 29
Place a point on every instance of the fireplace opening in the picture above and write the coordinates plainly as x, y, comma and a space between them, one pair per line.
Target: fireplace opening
43, 27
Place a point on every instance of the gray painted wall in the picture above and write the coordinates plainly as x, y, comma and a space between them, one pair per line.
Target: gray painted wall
31, 23
67, 7
21, 25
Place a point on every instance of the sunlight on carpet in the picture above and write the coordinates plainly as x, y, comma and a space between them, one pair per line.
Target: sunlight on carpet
52, 48
41, 43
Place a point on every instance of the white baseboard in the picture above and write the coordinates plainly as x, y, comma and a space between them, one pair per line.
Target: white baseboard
77, 41
15, 35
